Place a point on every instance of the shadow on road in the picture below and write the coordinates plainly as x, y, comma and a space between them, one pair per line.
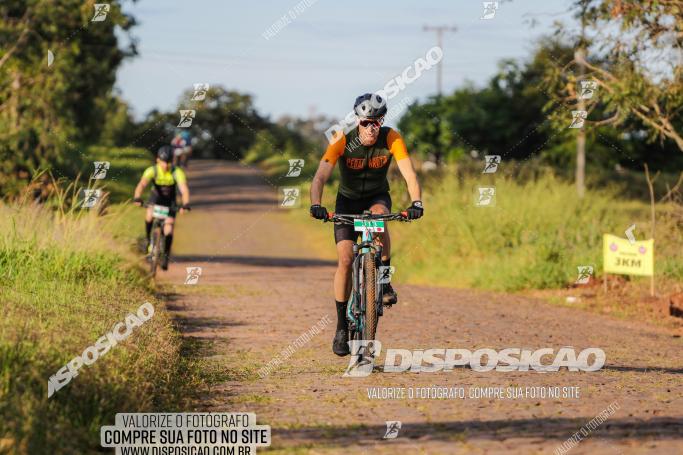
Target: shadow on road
261, 261
193, 324
545, 428
648, 369
208, 202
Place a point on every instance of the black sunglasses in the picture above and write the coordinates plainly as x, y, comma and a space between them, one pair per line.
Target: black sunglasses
365, 123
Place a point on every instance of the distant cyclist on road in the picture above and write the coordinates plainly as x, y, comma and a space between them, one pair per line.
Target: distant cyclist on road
364, 155
166, 178
182, 148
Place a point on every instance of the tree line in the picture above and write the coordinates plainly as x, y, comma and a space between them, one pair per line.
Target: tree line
50, 114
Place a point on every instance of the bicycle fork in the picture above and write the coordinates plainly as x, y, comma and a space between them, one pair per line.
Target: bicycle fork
355, 310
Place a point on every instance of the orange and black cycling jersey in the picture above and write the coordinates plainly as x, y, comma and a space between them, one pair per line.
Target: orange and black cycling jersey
363, 168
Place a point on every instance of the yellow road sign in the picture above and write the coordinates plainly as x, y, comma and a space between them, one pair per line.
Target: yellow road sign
625, 258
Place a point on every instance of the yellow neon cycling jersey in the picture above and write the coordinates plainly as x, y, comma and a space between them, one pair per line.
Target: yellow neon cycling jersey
165, 182
165, 178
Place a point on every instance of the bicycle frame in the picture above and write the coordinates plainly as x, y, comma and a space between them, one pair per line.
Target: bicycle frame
158, 224
356, 306
359, 249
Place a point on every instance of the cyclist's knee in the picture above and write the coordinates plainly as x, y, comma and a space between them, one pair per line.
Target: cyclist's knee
345, 261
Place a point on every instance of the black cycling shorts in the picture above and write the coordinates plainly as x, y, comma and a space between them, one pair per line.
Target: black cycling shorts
346, 206
156, 199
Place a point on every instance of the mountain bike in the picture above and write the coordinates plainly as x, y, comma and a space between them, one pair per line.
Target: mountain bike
158, 241
365, 306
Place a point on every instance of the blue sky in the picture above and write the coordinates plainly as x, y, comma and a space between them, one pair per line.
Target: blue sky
331, 52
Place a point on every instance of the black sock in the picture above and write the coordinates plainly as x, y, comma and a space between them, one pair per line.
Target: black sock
169, 241
148, 229
342, 323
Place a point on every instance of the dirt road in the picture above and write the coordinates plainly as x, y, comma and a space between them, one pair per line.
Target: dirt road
261, 288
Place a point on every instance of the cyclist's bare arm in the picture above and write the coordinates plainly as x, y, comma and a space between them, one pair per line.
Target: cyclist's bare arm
140, 188
184, 193
322, 175
408, 172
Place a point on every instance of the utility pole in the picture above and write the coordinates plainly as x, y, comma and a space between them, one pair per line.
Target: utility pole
440, 29
579, 56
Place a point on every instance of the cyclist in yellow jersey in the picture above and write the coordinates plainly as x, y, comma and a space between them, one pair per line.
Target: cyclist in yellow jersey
364, 155
165, 179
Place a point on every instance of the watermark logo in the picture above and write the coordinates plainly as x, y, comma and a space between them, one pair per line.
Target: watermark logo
492, 162
385, 273
362, 359
393, 427
101, 11
91, 198
198, 433
286, 353
193, 274
287, 19
119, 332
392, 88
587, 429
200, 90
482, 360
578, 119
585, 274
490, 9
186, 117
629, 234
295, 167
587, 89
101, 168
290, 197
485, 196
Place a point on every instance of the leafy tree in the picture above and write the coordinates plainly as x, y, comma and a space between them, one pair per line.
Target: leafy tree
48, 113
226, 122
226, 125
639, 64
523, 113
118, 128
504, 118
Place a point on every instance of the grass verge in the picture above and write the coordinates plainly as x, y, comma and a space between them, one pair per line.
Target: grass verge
67, 279
535, 236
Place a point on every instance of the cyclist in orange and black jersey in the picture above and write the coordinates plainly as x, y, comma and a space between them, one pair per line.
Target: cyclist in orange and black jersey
364, 156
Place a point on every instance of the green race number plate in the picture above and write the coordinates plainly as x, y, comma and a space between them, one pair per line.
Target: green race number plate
368, 225
160, 211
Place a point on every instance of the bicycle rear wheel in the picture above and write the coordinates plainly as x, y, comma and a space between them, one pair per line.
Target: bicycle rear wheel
156, 249
369, 294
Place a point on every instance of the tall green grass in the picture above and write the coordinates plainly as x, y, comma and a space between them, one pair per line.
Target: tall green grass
535, 237
66, 277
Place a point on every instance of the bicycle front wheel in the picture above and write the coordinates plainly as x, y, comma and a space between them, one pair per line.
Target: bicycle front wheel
156, 249
369, 294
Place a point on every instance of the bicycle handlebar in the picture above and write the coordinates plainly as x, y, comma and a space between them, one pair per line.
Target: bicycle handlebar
150, 204
348, 219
